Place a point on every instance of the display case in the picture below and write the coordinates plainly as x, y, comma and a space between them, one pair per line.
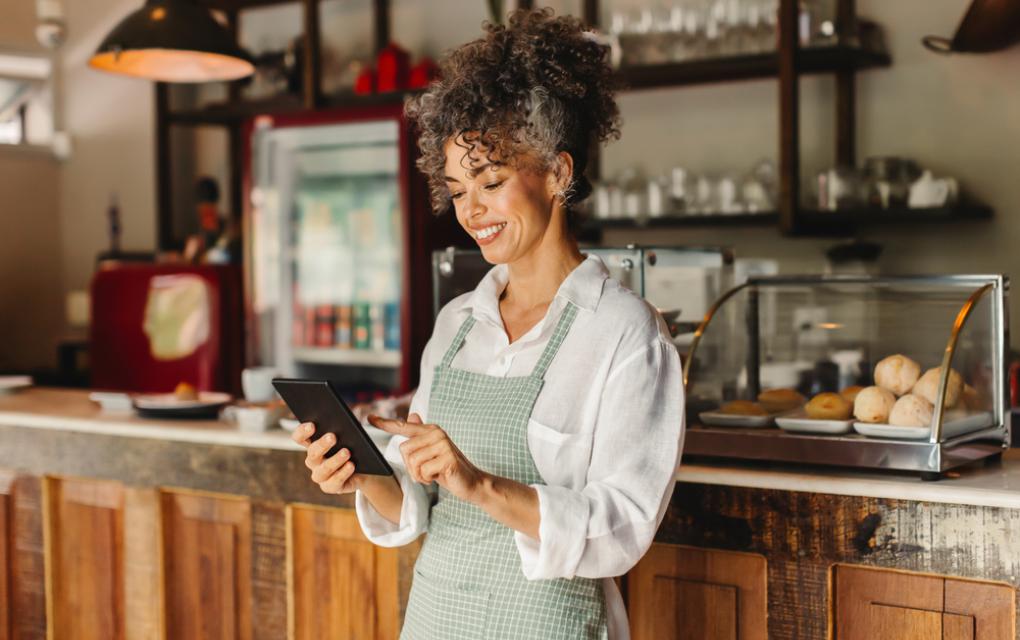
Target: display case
681, 282
940, 400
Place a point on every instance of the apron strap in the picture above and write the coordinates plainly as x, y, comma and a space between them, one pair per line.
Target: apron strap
458, 341
562, 327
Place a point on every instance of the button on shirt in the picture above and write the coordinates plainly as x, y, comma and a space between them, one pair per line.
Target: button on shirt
605, 433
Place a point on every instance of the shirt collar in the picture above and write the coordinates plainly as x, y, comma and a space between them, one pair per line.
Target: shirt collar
582, 287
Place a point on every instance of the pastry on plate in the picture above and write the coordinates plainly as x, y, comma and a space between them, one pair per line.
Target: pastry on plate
873, 405
780, 400
850, 393
185, 391
743, 408
927, 386
911, 411
829, 406
897, 373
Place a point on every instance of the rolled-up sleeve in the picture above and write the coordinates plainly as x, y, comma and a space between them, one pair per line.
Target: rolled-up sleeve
414, 510
418, 499
603, 528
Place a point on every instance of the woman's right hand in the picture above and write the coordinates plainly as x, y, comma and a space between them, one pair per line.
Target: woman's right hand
334, 474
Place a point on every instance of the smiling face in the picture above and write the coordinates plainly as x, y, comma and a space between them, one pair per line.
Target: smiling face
510, 210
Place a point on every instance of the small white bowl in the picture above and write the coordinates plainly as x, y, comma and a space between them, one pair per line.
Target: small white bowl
255, 419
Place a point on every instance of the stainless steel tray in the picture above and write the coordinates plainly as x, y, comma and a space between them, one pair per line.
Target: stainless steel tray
930, 459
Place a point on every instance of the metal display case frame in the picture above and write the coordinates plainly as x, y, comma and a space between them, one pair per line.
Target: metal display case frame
931, 457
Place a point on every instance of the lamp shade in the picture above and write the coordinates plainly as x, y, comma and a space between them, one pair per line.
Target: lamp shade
172, 41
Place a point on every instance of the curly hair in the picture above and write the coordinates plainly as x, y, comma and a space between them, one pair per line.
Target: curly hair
532, 89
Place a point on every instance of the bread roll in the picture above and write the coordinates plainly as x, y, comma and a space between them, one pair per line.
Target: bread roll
911, 411
779, 400
927, 386
850, 393
743, 408
873, 405
897, 374
829, 406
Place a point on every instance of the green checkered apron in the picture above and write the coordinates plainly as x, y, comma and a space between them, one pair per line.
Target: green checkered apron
468, 582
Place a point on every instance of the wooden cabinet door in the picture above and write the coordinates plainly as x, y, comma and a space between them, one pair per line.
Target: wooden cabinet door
886, 604
342, 585
207, 559
979, 611
880, 603
698, 594
85, 556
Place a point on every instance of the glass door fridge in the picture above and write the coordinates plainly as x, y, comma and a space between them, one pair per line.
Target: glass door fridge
337, 221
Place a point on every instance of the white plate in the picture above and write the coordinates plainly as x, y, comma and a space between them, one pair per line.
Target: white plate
718, 419
798, 422
950, 428
159, 401
13, 383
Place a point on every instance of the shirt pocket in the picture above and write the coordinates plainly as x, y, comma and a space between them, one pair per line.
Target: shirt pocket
561, 458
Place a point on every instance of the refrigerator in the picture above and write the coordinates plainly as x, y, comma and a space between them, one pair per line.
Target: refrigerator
339, 234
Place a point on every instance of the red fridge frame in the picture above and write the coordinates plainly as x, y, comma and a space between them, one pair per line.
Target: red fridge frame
423, 232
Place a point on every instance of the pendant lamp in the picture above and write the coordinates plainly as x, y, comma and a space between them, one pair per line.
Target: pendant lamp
172, 41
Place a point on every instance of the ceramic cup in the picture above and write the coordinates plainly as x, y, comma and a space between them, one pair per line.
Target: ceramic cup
257, 383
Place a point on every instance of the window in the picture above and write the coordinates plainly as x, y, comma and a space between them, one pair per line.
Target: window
25, 95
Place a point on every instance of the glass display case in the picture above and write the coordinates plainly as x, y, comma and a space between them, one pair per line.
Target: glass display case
900, 373
681, 282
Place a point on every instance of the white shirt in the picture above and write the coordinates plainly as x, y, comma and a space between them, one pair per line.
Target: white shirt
606, 431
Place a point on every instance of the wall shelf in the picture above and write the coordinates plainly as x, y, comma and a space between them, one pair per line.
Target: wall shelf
351, 357
813, 221
748, 67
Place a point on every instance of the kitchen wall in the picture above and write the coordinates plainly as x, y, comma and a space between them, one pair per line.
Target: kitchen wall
31, 307
955, 115
111, 123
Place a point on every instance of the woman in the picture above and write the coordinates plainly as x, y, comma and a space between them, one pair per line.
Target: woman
542, 444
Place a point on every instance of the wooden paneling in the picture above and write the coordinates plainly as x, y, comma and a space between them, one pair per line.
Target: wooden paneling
988, 608
698, 594
269, 570
6, 534
207, 559
877, 603
85, 529
143, 585
332, 561
26, 559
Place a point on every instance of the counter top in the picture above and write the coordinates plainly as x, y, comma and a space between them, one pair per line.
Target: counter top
992, 485
71, 410
996, 485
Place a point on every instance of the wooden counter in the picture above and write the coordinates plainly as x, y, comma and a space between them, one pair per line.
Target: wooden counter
117, 527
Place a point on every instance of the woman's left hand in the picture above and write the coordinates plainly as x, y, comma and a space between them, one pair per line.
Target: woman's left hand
430, 456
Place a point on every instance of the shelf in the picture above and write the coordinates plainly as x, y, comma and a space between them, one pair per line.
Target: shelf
809, 222
814, 222
350, 357
749, 67
669, 222
227, 113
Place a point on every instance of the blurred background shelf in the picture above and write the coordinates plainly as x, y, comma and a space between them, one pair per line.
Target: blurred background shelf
748, 67
813, 221
350, 357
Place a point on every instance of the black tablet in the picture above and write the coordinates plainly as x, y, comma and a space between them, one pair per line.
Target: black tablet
317, 401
